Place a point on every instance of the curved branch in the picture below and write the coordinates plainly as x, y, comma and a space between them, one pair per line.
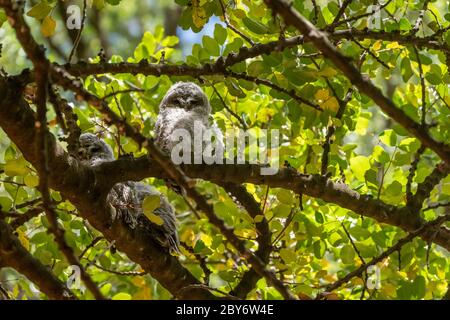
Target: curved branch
80, 185
251, 277
312, 185
322, 43
14, 255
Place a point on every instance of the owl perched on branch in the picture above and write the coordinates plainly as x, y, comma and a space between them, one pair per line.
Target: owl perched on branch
126, 199
185, 113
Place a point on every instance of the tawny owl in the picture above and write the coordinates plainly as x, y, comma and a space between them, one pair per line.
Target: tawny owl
185, 106
125, 199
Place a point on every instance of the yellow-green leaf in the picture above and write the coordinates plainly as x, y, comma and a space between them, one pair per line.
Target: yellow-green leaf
40, 11
198, 14
330, 104
347, 254
259, 218
122, 296
23, 239
48, 26
150, 203
155, 219
31, 181
359, 165
321, 94
16, 167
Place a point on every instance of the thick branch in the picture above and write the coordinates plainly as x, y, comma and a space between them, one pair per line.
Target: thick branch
321, 42
312, 185
14, 255
78, 184
251, 277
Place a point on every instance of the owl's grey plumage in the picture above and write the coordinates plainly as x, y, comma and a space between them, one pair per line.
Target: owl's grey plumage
125, 199
183, 105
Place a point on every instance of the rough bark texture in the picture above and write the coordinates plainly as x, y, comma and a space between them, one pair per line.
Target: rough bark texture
78, 185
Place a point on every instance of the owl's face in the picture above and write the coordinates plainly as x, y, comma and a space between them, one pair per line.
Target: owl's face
93, 150
187, 96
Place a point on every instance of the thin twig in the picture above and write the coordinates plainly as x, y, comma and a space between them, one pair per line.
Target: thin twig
229, 25
205, 287
272, 85
422, 84
93, 243
120, 273
420, 18
234, 114
412, 172
386, 253
77, 39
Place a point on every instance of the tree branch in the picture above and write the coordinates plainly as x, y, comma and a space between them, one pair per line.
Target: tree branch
312, 185
251, 277
79, 185
400, 243
14, 255
321, 42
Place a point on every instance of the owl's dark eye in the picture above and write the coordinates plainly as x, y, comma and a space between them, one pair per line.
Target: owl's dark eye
95, 149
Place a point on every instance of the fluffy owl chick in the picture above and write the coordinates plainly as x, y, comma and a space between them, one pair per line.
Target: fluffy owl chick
125, 198
183, 105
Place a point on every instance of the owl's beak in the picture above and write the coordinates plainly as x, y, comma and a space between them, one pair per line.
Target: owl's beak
188, 104
184, 103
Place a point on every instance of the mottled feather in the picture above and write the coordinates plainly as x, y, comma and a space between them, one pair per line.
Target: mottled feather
125, 198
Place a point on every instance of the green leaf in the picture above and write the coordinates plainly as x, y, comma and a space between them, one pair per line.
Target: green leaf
220, 33
255, 68
404, 24
31, 181
48, 26
99, 4
389, 137
434, 76
282, 210
347, 254
255, 26
105, 262
40, 237
407, 71
319, 217
380, 155
259, 218
285, 196
288, 255
200, 247
170, 41
319, 248
394, 189
5, 203
76, 224
40, 10
211, 45
3, 17
359, 165
16, 167
122, 295
199, 16
113, 2
150, 203
419, 286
